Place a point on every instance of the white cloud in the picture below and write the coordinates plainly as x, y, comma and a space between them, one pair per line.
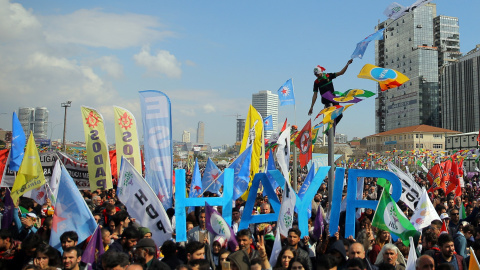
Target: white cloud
16, 22
209, 108
96, 28
163, 62
111, 65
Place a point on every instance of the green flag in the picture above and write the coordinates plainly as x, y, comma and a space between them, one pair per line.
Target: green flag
389, 217
463, 215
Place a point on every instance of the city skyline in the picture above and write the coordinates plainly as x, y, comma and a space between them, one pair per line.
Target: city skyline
205, 57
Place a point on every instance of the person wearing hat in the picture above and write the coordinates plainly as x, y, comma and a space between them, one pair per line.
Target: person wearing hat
146, 253
324, 84
26, 224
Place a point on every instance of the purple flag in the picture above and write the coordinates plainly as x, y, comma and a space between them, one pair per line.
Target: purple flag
318, 229
95, 244
9, 210
328, 95
218, 226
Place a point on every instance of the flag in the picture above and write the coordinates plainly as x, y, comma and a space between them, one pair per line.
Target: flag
98, 158
241, 173
410, 189
362, 45
304, 188
338, 99
54, 180
283, 152
253, 135
268, 122
386, 78
277, 247
4, 159
287, 209
462, 213
285, 93
284, 125
71, 212
9, 210
142, 203
94, 249
271, 166
444, 227
126, 137
30, 175
304, 143
196, 185
473, 263
425, 212
18, 144
319, 224
217, 225
395, 10
454, 177
389, 217
412, 256
38, 194
435, 179
210, 178
158, 146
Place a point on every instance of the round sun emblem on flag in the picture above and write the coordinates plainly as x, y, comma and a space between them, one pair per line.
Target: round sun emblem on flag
285, 91
125, 121
304, 142
92, 119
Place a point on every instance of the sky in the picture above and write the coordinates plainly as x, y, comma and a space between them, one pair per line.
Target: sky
208, 57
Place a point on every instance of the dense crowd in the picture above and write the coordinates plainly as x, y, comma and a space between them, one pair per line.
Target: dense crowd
444, 244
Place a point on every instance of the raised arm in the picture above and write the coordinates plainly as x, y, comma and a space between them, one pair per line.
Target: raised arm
341, 72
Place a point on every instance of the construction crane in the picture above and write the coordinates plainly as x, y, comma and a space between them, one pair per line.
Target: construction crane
236, 115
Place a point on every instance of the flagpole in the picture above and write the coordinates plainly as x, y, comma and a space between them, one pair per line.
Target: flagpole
295, 166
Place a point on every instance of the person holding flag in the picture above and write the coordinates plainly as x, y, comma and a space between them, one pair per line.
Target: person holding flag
324, 84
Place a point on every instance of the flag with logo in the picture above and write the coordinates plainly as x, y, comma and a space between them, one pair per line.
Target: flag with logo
126, 137
94, 249
158, 146
283, 152
217, 225
98, 158
425, 212
18, 144
434, 176
196, 185
395, 10
285, 93
409, 186
142, 203
71, 212
210, 178
268, 122
362, 45
386, 78
389, 217
287, 209
253, 135
304, 143
30, 174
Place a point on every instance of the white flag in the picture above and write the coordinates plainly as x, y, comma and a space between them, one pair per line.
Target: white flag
142, 203
285, 217
283, 152
37, 194
277, 247
54, 180
425, 213
412, 256
410, 189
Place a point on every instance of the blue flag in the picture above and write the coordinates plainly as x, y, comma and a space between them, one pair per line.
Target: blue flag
71, 212
241, 174
362, 45
285, 93
18, 144
268, 123
305, 186
210, 178
270, 167
196, 185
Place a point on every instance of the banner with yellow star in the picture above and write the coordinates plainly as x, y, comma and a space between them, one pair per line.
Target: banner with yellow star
126, 138
98, 158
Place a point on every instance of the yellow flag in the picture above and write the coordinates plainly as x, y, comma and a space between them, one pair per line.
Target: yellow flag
126, 138
98, 158
253, 135
473, 264
30, 175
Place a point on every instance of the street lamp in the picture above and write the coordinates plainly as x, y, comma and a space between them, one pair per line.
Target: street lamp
65, 105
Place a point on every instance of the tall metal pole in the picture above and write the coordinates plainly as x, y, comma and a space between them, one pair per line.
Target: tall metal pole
65, 105
295, 168
331, 162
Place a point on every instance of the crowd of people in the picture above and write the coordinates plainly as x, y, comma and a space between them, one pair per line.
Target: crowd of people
128, 245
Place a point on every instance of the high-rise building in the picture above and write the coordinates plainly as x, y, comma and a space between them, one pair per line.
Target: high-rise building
34, 120
240, 129
201, 132
416, 44
341, 138
460, 89
186, 136
266, 103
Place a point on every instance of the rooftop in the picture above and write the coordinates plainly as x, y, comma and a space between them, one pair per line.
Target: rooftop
416, 129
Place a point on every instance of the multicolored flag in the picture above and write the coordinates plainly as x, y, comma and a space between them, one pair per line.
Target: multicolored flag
362, 45
304, 143
98, 158
268, 122
71, 212
425, 213
196, 185
286, 94
389, 217
435, 179
217, 225
158, 146
142, 203
18, 144
210, 178
253, 135
386, 78
126, 138
30, 175
287, 210
395, 10
94, 249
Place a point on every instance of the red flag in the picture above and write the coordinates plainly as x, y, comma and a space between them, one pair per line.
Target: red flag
284, 126
435, 179
444, 228
446, 168
304, 143
113, 164
3, 161
454, 177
